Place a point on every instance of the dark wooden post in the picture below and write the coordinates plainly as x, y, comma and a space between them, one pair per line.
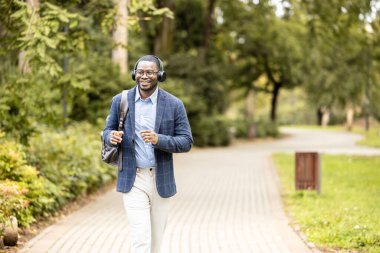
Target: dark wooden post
308, 171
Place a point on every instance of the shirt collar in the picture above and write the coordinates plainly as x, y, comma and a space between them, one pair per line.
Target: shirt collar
152, 97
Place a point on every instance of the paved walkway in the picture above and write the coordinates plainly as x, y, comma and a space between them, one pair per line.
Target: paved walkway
227, 201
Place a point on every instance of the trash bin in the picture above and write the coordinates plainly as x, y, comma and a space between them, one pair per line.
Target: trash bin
308, 171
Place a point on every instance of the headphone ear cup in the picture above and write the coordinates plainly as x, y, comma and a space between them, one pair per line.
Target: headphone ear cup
161, 76
134, 75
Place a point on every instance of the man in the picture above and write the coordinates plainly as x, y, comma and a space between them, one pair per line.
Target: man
156, 126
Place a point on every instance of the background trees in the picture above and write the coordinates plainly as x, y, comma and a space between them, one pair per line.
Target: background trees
57, 65
339, 35
240, 66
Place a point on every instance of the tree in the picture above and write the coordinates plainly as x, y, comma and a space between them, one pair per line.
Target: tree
22, 63
163, 41
336, 68
40, 38
120, 36
152, 20
264, 45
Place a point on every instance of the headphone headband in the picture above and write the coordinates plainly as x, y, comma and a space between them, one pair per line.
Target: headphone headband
161, 75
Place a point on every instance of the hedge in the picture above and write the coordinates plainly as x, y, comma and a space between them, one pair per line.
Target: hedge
58, 166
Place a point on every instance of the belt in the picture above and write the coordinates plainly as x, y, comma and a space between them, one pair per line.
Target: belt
146, 169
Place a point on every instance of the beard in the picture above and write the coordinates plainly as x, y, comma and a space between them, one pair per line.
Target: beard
147, 88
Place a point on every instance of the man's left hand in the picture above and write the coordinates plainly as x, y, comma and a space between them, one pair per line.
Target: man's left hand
149, 136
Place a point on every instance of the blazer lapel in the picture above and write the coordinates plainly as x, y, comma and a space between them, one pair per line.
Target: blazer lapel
161, 101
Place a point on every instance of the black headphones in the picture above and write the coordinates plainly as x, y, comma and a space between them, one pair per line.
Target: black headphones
161, 75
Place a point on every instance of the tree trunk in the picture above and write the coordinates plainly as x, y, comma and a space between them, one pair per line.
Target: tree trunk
165, 31
276, 87
349, 116
275, 93
208, 27
33, 3
23, 63
120, 37
65, 85
325, 116
319, 116
367, 99
250, 113
250, 105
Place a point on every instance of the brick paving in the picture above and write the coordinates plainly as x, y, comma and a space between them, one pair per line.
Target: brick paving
228, 201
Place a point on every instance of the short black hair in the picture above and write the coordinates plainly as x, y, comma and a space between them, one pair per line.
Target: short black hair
150, 58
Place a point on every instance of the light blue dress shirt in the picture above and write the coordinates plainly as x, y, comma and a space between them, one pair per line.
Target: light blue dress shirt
145, 119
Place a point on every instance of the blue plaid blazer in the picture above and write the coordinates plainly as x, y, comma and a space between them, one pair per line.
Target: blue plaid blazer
174, 136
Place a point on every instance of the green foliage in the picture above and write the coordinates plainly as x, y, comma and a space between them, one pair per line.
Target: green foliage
267, 129
146, 18
25, 194
374, 83
261, 128
346, 215
148, 9
245, 45
211, 131
45, 36
204, 95
105, 82
76, 170
189, 27
265, 47
67, 73
339, 73
20, 106
41, 34
66, 165
294, 110
13, 202
204, 83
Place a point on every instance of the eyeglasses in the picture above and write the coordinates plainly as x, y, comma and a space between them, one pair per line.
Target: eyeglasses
148, 73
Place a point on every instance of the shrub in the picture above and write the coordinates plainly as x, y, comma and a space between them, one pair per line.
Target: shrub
71, 160
13, 202
211, 131
262, 128
241, 127
21, 182
266, 129
66, 164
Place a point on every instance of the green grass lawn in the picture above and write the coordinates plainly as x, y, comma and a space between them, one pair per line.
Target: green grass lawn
371, 138
347, 213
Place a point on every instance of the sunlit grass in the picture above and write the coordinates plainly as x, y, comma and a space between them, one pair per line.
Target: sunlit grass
347, 213
371, 138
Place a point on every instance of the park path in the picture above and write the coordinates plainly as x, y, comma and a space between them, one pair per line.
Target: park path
227, 201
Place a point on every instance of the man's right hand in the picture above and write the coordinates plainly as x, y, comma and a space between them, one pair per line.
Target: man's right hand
116, 137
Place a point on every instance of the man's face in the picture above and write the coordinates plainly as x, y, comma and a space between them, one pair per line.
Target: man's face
146, 75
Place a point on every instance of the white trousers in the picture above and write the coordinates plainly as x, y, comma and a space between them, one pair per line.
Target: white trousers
147, 212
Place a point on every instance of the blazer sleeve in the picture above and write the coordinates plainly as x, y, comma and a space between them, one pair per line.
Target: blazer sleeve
112, 121
182, 140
